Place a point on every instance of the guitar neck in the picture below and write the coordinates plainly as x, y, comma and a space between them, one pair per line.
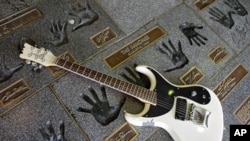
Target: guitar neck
125, 87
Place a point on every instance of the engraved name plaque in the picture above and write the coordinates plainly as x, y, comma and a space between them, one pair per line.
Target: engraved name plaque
227, 84
201, 4
135, 46
12, 92
217, 54
242, 113
192, 76
16, 21
103, 37
124, 133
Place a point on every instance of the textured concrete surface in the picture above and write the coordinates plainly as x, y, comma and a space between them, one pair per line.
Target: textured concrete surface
56, 97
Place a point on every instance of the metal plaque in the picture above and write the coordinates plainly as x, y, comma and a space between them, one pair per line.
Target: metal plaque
242, 112
200, 4
16, 21
12, 92
227, 84
56, 70
192, 76
124, 133
134, 47
103, 37
217, 54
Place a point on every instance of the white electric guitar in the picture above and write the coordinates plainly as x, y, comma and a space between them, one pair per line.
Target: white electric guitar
187, 113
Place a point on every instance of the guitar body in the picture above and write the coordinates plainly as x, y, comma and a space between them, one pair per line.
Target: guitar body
187, 113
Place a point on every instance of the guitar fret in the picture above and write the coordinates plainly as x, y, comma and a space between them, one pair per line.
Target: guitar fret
98, 76
125, 86
151, 96
71, 66
103, 78
121, 86
105, 81
68, 65
60, 62
144, 92
74, 67
129, 88
80, 70
117, 83
133, 89
57, 60
136, 92
86, 71
64, 63
92, 74
109, 80
112, 82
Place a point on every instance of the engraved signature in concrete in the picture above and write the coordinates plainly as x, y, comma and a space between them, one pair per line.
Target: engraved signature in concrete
13, 93
239, 35
122, 135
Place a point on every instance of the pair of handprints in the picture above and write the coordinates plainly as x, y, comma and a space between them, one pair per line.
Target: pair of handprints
226, 19
86, 16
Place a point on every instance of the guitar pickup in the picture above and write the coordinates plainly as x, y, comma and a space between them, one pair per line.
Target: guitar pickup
181, 108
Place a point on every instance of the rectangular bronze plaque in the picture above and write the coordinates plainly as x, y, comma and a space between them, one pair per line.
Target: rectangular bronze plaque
13, 22
12, 92
243, 112
103, 37
56, 70
227, 84
192, 76
133, 47
200, 4
124, 133
217, 54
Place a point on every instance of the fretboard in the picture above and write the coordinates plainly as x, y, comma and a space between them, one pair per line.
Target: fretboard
133, 90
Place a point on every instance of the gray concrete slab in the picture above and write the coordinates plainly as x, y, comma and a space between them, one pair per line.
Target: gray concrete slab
22, 123
131, 15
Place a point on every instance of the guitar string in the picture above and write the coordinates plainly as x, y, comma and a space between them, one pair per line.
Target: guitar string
163, 101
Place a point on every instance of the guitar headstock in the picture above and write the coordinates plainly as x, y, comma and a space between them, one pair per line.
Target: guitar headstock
38, 55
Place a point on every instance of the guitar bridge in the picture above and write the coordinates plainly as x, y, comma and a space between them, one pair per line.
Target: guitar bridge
198, 115
185, 111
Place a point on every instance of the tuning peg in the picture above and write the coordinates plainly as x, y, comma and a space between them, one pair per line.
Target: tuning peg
27, 62
48, 50
34, 64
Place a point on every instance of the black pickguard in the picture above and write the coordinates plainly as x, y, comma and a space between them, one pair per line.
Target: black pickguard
167, 93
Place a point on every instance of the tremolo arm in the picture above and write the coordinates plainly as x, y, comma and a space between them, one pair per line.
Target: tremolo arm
191, 112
